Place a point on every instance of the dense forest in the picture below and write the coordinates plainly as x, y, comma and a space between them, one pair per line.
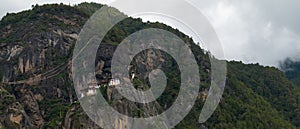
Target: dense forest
291, 67
39, 40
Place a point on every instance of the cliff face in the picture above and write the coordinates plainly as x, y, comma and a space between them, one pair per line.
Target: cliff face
36, 51
37, 89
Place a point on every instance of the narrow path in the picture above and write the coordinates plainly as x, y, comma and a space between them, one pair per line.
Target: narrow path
49, 74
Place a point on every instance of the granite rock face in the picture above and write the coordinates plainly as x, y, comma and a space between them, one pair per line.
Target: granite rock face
35, 58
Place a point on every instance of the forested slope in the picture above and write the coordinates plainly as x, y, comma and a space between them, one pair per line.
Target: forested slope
40, 41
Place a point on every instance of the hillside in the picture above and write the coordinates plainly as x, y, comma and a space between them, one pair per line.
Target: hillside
292, 70
36, 49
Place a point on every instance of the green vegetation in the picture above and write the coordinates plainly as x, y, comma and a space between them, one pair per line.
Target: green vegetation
272, 85
254, 96
88, 8
292, 70
1, 72
56, 110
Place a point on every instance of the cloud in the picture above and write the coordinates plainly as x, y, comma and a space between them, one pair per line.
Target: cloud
250, 32
13, 6
264, 31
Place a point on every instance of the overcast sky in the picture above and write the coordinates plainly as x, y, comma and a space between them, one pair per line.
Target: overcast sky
264, 31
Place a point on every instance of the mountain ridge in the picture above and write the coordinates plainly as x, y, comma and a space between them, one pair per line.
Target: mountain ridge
38, 40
